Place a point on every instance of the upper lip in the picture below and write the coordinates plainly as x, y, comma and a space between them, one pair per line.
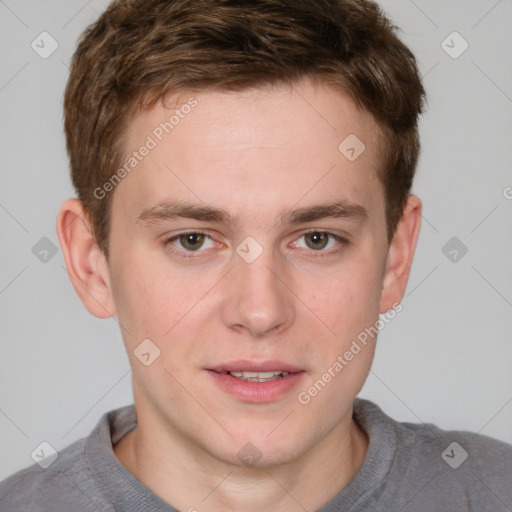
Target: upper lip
254, 366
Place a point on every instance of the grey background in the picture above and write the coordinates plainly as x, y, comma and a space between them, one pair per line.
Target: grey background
446, 357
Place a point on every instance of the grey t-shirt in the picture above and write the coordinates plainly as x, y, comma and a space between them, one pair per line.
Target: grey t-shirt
409, 467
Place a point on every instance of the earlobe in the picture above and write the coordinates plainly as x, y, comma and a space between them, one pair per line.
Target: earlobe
400, 255
85, 262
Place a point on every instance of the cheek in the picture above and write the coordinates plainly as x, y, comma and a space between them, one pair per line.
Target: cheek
154, 303
340, 360
154, 307
146, 301
349, 300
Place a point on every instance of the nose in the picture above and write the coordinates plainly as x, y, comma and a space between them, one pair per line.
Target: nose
257, 298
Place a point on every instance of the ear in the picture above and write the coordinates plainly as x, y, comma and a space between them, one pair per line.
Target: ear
86, 264
400, 255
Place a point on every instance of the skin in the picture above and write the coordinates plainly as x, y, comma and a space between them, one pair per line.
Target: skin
255, 153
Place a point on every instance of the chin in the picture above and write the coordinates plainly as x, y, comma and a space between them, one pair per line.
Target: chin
260, 452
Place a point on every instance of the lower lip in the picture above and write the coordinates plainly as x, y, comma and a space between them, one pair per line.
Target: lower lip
257, 392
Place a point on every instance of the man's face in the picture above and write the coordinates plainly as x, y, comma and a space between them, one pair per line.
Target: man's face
274, 290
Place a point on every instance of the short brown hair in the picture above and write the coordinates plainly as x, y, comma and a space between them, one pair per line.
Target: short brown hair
138, 51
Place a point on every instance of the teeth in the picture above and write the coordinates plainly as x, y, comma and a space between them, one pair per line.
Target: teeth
258, 376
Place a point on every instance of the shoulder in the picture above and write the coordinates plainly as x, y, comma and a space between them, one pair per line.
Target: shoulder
474, 468
38, 489
67, 483
456, 447
426, 439
469, 470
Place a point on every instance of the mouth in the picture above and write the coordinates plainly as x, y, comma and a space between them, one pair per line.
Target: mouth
257, 376
257, 382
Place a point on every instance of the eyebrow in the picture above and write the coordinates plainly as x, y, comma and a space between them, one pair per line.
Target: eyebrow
170, 210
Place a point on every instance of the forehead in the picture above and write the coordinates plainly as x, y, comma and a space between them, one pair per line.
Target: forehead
254, 148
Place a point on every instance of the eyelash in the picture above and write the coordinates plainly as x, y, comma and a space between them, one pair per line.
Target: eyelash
196, 254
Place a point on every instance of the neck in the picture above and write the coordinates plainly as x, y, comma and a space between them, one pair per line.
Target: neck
188, 478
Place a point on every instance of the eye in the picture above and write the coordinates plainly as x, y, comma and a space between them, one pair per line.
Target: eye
192, 244
191, 241
319, 241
